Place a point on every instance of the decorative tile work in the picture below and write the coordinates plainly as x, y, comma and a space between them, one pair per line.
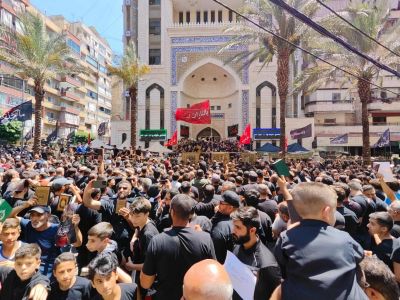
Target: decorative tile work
200, 39
245, 108
199, 52
174, 106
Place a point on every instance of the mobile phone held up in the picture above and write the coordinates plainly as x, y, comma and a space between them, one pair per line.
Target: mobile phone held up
99, 184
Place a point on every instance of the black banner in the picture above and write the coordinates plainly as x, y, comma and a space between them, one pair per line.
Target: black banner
233, 130
22, 113
185, 131
301, 133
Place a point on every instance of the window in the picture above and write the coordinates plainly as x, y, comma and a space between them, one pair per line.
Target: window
187, 105
188, 17
212, 107
180, 17
155, 56
102, 69
213, 16
230, 105
50, 115
336, 97
220, 16
155, 26
205, 16
379, 120
330, 121
198, 17
154, 2
383, 95
218, 107
74, 46
230, 16
91, 61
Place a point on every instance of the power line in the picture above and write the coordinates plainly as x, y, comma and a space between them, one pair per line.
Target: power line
322, 30
302, 49
356, 28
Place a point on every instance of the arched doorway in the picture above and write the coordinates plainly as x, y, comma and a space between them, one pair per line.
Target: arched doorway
209, 133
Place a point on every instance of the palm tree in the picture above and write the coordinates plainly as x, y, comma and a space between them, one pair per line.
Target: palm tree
279, 22
130, 70
38, 55
373, 20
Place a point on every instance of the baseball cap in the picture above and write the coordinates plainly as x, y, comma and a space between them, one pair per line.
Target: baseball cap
231, 198
59, 182
41, 209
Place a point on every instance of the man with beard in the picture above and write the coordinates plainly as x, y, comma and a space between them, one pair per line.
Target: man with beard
108, 209
39, 230
251, 251
221, 232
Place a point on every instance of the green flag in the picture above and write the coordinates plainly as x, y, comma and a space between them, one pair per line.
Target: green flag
5, 210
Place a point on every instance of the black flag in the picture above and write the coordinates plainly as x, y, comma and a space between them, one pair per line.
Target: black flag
22, 112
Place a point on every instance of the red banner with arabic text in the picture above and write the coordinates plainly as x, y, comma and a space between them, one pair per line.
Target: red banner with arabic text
198, 113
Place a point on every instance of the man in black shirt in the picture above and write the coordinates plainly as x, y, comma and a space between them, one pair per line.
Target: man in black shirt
266, 204
210, 201
221, 232
108, 209
171, 253
253, 253
351, 220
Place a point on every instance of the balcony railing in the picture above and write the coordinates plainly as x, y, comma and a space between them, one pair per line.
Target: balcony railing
328, 105
73, 81
204, 25
70, 95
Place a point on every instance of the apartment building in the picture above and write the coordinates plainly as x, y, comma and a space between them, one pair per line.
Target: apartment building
72, 103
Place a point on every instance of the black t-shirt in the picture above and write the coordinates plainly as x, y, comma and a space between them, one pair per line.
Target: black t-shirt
81, 290
221, 234
385, 251
270, 207
262, 263
145, 235
122, 230
351, 220
128, 292
340, 221
170, 254
13, 288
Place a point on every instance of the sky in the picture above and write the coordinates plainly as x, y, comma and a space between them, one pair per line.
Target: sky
104, 15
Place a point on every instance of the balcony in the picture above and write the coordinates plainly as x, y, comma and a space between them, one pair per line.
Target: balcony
70, 109
71, 96
49, 121
328, 105
71, 81
203, 25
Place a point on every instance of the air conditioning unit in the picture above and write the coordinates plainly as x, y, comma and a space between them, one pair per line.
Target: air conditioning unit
128, 33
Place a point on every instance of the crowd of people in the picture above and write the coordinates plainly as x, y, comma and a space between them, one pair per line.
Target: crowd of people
132, 226
209, 145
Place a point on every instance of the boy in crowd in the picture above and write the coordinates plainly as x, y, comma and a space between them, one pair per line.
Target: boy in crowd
103, 274
317, 260
68, 286
10, 233
24, 282
99, 241
145, 230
